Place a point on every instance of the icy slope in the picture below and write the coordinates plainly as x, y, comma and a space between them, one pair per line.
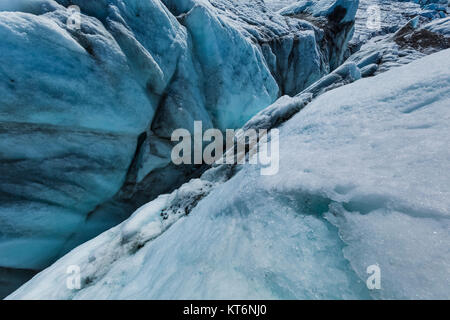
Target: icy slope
364, 180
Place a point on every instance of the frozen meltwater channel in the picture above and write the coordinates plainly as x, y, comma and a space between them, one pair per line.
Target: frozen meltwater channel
364, 180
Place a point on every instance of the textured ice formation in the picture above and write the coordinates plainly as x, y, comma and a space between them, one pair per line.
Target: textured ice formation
344, 10
335, 18
363, 181
70, 111
286, 107
440, 26
393, 15
411, 41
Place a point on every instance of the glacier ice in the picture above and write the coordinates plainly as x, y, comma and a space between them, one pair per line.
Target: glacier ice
414, 39
85, 115
439, 26
68, 131
363, 181
324, 8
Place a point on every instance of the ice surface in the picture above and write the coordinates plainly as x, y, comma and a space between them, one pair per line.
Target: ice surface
323, 8
67, 130
30, 6
441, 26
400, 44
363, 180
393, 15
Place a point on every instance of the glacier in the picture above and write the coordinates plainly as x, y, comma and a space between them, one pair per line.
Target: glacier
86, 114
86, 117
363, 181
